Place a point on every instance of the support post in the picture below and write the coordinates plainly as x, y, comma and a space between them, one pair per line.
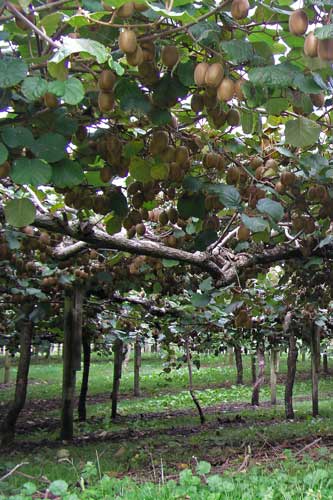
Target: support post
315, 367
137, 366
118, 346
274, 362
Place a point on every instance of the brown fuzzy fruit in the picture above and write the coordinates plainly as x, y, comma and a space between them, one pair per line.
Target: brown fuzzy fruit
200, 73
105, 174
105, 101
214, 75
197, 103
4, 169
325, 49
50, 100
317, 100
163, 218
170, 56
243, 233
233, 175
288, 178
172, 215
181, 155
238, 88
140, 7
242, 319
211, 160
280, 188
106, 80
298, 22
226, 90
127, 41
159, 142
126, 10
233, 117
256, 162
240, 9
135, 58
311, 45
140, 229
148, 50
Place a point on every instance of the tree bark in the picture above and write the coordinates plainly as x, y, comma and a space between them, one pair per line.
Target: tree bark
253, 368
261, 375
325, 363
9, 423
315, 367
137, 365
72, 357
274, 373
291, 372
82, 410
118, 346
239, 365
6, 368
190, 384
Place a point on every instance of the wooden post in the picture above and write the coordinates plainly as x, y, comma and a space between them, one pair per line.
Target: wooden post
325, 363
7, 428
239, 364
261, 374
291, 372
73, 303
274, 363
118, 346
82, 410
315, 367
190, 383
253, 368
7, 363
137, 365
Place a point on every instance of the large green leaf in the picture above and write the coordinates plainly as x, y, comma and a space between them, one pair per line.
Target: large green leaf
34, 87
3, 153
204, 239
77, 45
277, 76
31, 171
16, 137
12, 71
272, 208
255, 224
131, 98
20, 212
238, 51
228, 195
70, 90
200, 299
192, 205
185, 73
140, 169
50, 147
324, 32
118, 203
302, 132
168, 91
67, 173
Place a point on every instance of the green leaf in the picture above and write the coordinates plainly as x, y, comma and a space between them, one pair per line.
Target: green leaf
203, 467
34, 87
58, 487
272, 208
16, 137
185, 73
12, 71
324, 32
131, 98
191, 205
276, 76
50, 147
200, 299
204, 239
170, 262
78, 45
168, 91
247, 121
3, 153
73, 92
118, 203
255, 224
132, 148
206, 32
140, 169
159, 171
276, 105
67, 173
114, 225
20, 212
238, 51
228, 195
51, 22
30, 171
58, 71
302, 132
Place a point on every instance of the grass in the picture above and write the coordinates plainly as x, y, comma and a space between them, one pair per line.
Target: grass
171, 441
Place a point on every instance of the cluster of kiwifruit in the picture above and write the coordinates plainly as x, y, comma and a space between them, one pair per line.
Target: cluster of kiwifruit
127, 10
313, 47
106, 82
303, 223
176, 157
243, 319
110, 148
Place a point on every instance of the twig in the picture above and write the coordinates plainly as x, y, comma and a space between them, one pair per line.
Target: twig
316, 441
13, 470
41, 8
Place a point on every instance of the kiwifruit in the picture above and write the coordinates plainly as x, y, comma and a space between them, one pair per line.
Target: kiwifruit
144, 213
4, 169
170, 56
148, 73
288, 178
226, 90
172, 215
135, 216
241, 319
159, 142
181, 155
240, 9
134, 187
20, 23
210, 101
171, 241
44, 238
218, 116
114, 145
317, 193
140, 229
311, 45
140, 7
318, 100
325, 49
105, 101
211, 160
271, 164
197, 103
233, 175
163, 218
298, 22
148, 50
136, 57
176, 173
222, 163
256, 162
200, 73
50, 100
260, 173
238, 88
214, 75
243, 233
280, 188
309, 226
212, 223
168, 154
106, 80
126, 10
233, 117
127, 41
